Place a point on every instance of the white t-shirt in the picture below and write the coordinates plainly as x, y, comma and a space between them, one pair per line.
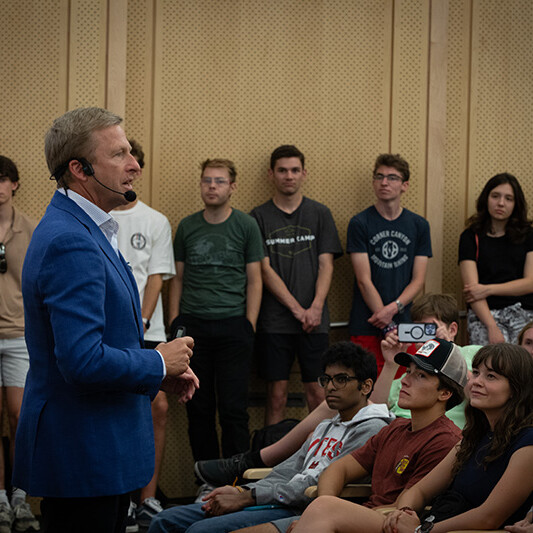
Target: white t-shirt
145, 240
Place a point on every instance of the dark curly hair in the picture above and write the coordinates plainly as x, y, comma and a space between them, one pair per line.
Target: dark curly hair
353, 356
516, 364
518, 225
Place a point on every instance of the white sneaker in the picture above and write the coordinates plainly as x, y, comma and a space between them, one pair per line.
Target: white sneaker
147, 510
6, 517
24, 518
131, 522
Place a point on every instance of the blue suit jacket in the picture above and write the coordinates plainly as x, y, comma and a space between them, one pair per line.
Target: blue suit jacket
85, 427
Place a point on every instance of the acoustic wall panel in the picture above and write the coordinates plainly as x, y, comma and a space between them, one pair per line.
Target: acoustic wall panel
457, 108
33, 91
139, 88
87, 53
501, 98
409, 94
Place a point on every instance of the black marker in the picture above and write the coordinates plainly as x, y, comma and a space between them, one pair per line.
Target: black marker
180, 332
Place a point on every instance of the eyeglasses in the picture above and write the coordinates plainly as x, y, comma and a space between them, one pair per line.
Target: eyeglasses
390, 177
3, 260
216, 181
339, 380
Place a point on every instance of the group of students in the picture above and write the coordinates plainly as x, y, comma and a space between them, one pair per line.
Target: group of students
480, 482
495, 262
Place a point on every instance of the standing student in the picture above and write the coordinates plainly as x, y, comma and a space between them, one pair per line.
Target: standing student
301, 243
496, 262
389, 247
15, 233
85, 436
216, 295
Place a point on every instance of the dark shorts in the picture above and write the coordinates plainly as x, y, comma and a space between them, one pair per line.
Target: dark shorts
276, 353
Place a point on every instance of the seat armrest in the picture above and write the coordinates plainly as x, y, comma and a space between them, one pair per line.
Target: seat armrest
256, 473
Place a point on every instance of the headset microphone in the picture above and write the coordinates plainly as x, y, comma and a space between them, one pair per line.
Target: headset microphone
130, 196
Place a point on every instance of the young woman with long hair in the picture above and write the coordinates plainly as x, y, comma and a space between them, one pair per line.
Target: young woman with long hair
496, 263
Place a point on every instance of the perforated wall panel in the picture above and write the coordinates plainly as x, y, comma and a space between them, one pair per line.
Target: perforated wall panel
33, 91
87, 53
456, 141
409, 94
501, 99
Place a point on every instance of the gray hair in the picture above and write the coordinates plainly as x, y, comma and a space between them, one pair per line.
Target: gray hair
70, 137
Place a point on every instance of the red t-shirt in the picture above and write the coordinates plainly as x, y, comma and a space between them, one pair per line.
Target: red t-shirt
397, 457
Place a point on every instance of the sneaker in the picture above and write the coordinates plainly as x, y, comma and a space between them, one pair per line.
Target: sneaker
220, 472
203, 490
131, 522
149, 508
6, 517
24, 518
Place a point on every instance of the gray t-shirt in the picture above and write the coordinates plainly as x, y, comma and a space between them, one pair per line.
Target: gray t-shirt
293, 243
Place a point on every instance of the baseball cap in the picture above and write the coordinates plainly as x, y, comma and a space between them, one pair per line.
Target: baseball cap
438, 356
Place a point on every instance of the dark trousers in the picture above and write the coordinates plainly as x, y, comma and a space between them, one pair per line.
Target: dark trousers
221, 359
102, 514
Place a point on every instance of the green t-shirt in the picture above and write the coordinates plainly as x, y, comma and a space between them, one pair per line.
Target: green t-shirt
215, 257
456, 414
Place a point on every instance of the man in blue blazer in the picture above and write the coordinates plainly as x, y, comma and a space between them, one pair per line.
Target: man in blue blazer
85, 436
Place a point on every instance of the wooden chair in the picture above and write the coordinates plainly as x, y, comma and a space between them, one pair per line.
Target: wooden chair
254, 474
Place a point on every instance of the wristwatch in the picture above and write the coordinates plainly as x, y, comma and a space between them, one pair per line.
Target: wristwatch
400, 306
146, 322
426, 526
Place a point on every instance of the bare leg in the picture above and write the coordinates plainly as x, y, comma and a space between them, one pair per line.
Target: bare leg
328, 514
159, 417
276, 400
14, 402
261, 528
291, 442
314, 394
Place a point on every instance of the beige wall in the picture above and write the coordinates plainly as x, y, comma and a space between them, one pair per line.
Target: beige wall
447, 83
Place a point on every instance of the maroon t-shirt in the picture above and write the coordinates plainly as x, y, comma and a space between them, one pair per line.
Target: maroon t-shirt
398, 457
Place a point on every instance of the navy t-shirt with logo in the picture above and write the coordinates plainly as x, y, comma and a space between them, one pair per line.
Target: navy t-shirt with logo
293, 242
392, 246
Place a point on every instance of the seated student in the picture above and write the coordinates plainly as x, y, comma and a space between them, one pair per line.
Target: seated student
525, 338
441, 310
349, 375
484, 482
438, 308
405, 451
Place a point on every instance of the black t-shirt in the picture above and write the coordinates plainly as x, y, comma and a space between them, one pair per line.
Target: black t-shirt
293, 242
498, 261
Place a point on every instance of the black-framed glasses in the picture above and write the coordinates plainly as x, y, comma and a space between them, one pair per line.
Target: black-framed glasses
339, 380
3, 260
390, 177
